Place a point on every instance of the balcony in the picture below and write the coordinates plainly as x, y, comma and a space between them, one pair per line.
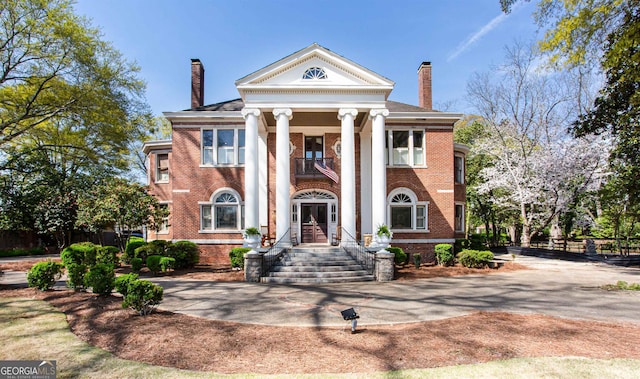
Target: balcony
305, 168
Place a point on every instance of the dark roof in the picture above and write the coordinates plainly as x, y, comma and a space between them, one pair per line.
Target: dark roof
230, 105
238, 105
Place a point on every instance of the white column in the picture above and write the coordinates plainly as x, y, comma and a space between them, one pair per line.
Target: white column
283, 178
365, 183
378, 169
251, 211
348, 173
263, 185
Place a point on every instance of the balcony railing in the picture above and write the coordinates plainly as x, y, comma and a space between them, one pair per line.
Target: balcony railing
305, 167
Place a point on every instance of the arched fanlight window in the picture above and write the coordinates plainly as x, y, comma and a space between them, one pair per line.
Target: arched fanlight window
314, 73
405, 212
223, 213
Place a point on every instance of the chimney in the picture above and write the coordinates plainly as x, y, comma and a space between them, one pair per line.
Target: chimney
197, 83
424, 85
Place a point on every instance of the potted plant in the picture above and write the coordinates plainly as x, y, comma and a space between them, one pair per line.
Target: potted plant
252, 237
383, 235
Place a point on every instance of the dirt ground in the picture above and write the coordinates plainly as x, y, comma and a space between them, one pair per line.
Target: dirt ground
187, 342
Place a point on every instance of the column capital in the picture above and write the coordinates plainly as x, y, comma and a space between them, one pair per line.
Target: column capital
384, 112
283, 111
250, 111
347, 111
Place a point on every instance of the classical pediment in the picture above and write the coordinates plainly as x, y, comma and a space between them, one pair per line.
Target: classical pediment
313, 70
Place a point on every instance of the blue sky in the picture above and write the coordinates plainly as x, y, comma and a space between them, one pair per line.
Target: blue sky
235, 38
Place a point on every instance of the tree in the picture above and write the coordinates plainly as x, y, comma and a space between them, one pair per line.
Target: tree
56, 71
535, 167
127, 206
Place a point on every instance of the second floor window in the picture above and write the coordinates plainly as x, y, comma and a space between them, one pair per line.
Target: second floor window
407, 147
162, 167
223, 147
458, 169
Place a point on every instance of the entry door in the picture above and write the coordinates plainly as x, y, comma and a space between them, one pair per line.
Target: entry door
314, 223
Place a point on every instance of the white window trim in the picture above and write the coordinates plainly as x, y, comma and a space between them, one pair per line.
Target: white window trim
463, 205
410, 148
157, 166
165, 221
414, 204
211, 204
214, 153
464, 168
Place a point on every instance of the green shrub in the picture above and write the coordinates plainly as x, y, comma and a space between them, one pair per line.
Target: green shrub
475, 258
129, 251
136, 264
107, 255
100, 279
147, 250
186, 253
75, 275
79, 253
121, 283
444, 254
236, 255
478, 241
167, 263
142, 296
400, 256
43, 275
460, 244
153, 263
22, 252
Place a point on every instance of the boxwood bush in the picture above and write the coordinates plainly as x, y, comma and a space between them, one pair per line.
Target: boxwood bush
142, 296
475, 258
79, 253
136, 264
145, 251
122, 282
444, 254
100, 279
400, 256
129, 251
186, 253
167, 263
236, 255
75, 275
153, 263
43, 275
107, 255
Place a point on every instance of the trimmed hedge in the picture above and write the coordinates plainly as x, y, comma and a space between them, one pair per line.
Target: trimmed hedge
143, 296
100, 278
75, 275
236, 255
186, 253
136, 264
400, 256
153, 263
22, 252
129, 251
122, 282
79, 253
108, 255
444, 254
475, 258
167, 263
43, 275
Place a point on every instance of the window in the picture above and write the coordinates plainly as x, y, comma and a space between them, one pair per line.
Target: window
459, 218
225, 212
314, 73
223, 147
162, 167
458, 162
163, 227
407, 147
405, 212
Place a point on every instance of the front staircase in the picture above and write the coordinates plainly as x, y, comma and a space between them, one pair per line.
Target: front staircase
317, 265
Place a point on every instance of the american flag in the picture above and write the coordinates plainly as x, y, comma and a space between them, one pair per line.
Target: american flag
328, 172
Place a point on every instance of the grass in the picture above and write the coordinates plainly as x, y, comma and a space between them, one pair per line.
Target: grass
22, 252
622, 286
32, 329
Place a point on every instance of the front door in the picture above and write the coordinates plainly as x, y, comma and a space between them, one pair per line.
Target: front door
314, 223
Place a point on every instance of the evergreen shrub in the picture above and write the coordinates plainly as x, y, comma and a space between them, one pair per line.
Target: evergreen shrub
444, 254
107, 255
122, 282
400, 256
136, 264
75, 275
153, 263
100, 279
143, 296
129, 251
43, 275
475, 258
167, 263
236, 255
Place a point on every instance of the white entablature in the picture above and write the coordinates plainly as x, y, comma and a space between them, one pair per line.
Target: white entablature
314, 77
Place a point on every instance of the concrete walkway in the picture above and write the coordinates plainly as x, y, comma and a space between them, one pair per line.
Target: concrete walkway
551, 287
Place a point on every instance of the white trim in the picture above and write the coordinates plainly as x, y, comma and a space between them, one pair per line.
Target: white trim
216, 241
148, 146
464, 168
426, 240
464, 218
444, 191
414, 213
181, 191
331, 226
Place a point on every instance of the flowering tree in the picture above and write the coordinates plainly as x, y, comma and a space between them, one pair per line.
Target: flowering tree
535, 167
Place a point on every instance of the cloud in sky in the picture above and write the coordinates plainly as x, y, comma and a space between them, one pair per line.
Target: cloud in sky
476, 36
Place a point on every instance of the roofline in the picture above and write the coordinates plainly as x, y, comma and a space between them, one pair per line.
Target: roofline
425, 116
461, 147
155, 145
191, 115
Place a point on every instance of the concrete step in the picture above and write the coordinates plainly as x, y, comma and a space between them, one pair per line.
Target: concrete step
317, 274
367, 278
328, 268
